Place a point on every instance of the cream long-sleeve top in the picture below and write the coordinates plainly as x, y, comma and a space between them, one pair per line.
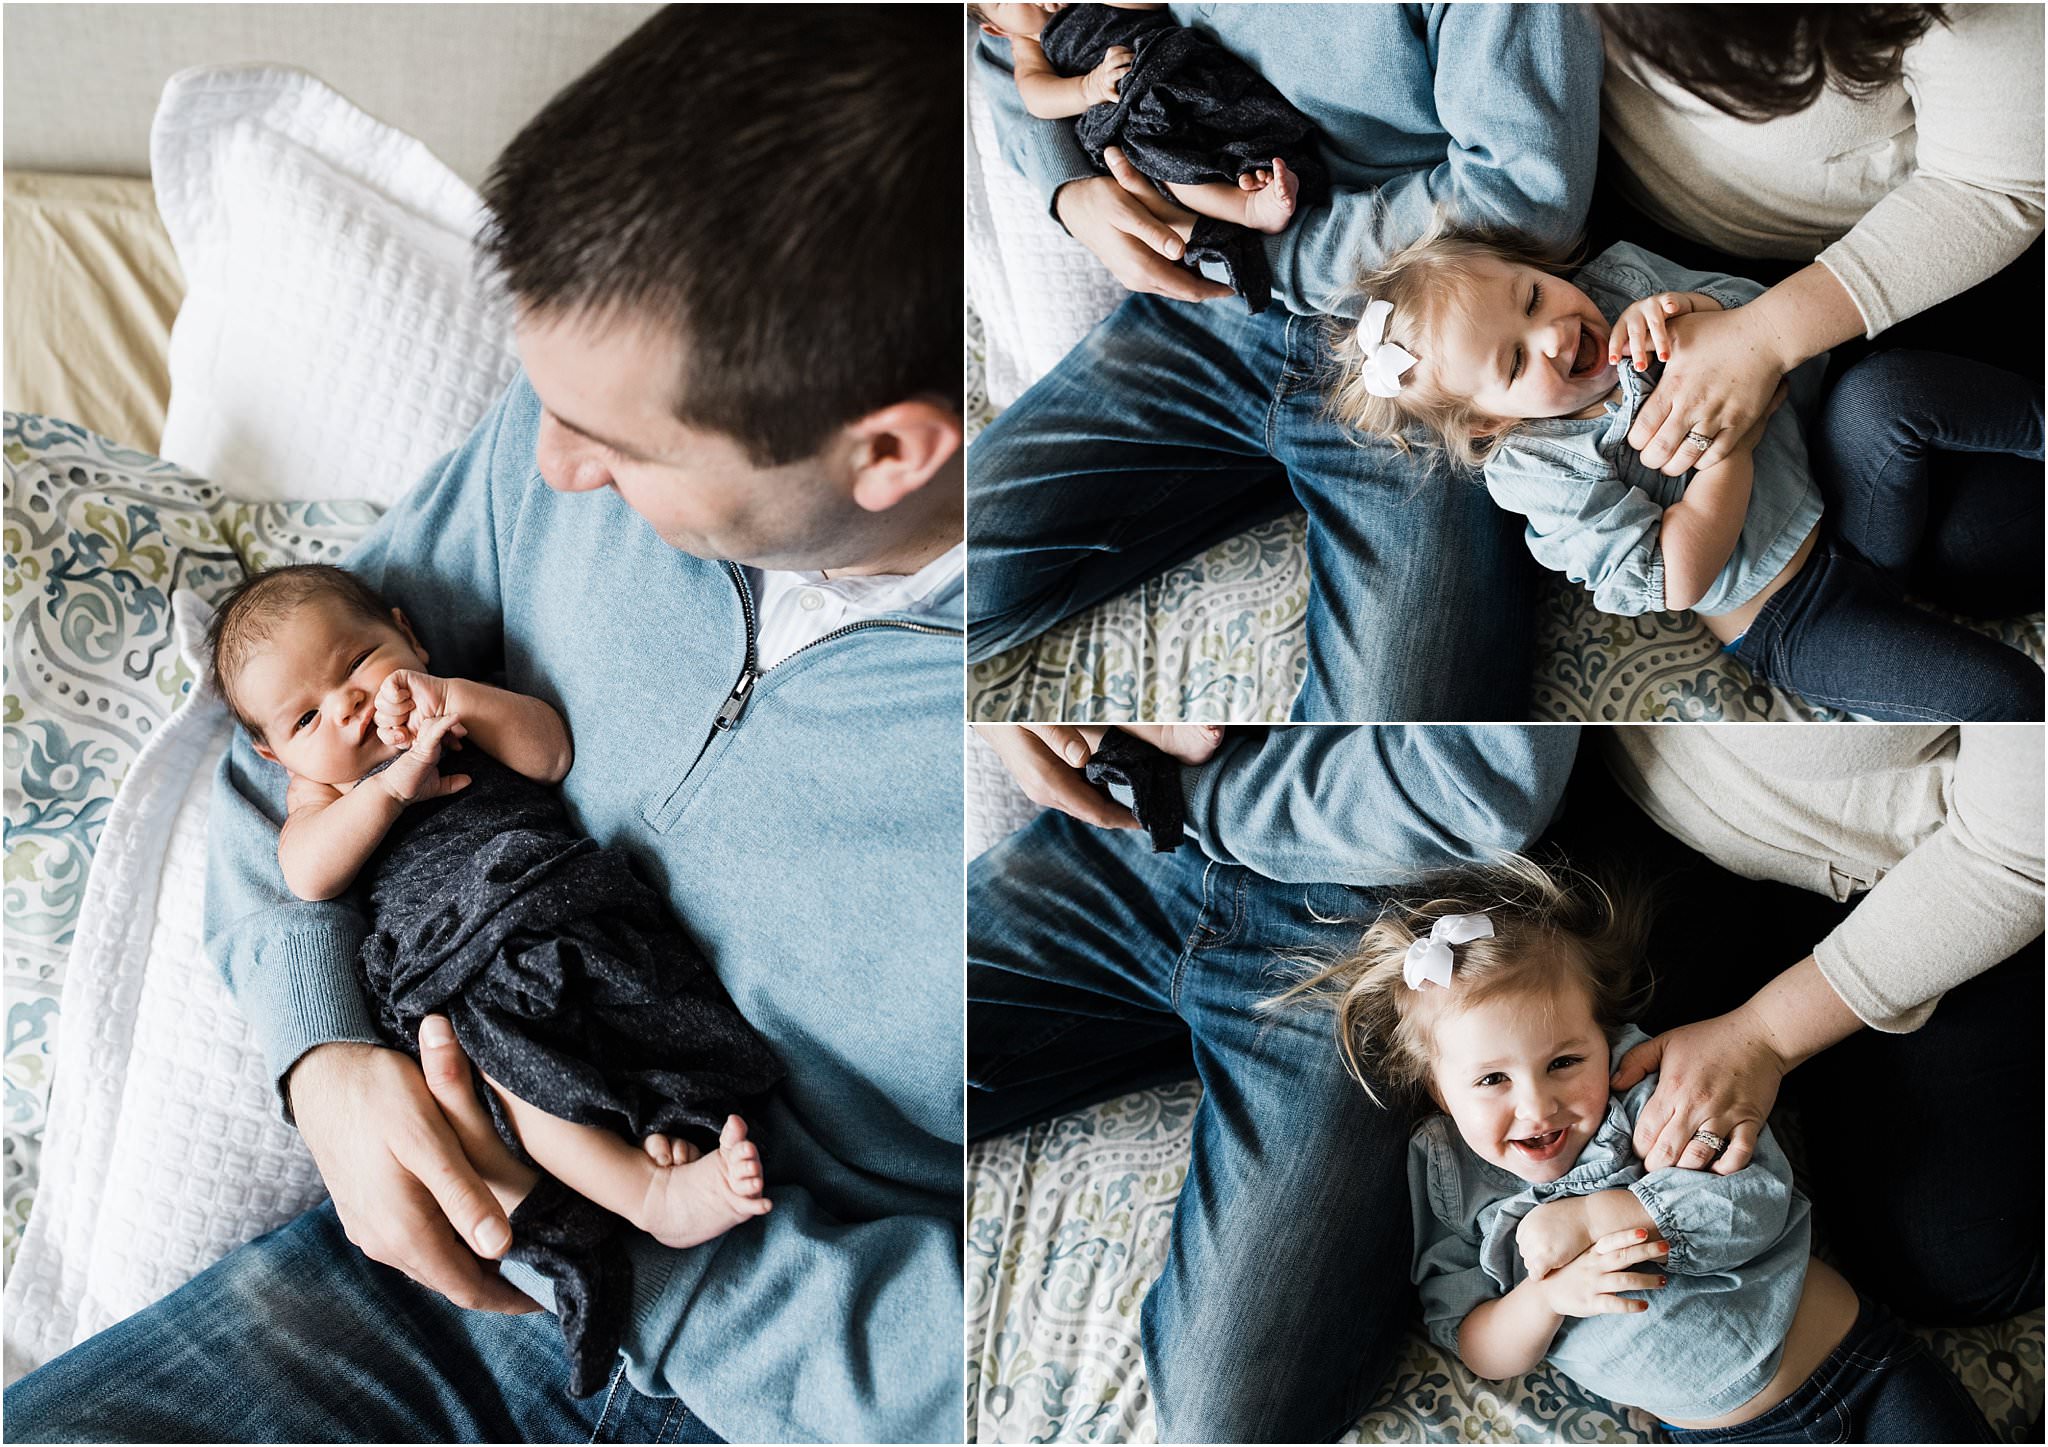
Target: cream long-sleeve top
1939, 829
1907, 196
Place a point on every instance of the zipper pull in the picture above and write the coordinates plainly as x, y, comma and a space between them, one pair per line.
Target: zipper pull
735, 702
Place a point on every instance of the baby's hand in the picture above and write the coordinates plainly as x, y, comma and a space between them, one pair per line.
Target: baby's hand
1100, 87
1552, 1234
405, 700
1591, 1282
416, 775
1641, 331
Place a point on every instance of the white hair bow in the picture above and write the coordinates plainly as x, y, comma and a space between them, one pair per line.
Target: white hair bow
1429, 958
1384, 362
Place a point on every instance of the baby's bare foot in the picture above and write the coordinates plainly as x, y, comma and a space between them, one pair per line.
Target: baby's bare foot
1187, 743
1269, 206
693, 1200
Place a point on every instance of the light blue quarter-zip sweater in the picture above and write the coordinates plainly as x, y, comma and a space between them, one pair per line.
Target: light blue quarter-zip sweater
1491, 111
812, 849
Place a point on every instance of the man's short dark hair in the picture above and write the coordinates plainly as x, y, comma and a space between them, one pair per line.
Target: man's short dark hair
255, 606
781, 183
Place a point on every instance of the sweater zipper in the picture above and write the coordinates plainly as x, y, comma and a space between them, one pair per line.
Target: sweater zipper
750, 673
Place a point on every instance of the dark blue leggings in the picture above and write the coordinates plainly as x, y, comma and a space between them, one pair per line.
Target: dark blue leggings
1930, 467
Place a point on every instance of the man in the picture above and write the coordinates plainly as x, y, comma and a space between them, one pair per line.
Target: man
1096, 965
716, 525
1177, 424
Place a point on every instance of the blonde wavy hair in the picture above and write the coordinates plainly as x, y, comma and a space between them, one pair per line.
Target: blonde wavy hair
1552, 926
1428, 281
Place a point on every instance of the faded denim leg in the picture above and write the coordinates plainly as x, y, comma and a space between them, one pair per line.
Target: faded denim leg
298, 1337
1092, 962
1172, 426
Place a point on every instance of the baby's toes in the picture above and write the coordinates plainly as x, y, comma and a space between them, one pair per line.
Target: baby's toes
660, 1150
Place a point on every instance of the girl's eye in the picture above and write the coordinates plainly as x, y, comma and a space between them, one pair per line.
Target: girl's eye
1496, 1078
1566, 1062
1515, 367
305, 718
1535, 298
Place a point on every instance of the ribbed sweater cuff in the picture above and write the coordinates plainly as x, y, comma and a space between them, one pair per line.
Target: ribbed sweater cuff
301, 993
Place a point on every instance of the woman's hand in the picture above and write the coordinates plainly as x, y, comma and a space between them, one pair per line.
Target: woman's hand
1721, 1075
1723, 370
1591, 1282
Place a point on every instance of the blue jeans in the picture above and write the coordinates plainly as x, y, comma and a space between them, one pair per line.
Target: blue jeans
299, 1337
1880, 1385
1919, 455
1172, 426
1930, 465
1094, 966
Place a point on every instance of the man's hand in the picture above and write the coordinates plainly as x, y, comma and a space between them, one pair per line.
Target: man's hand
416, 774
1100, 86
1134, 231
1590, 1283
453, 1086
1046, 761
1720, 1075
405, 1192
1718, 383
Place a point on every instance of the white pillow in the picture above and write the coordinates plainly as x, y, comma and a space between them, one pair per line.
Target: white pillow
1037, 290
338, 333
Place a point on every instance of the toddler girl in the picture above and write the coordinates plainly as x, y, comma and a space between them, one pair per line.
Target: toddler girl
606, 1041
1538, 1233
1479, 342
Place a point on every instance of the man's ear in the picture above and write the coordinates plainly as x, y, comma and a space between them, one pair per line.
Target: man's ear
897, 450
398, 617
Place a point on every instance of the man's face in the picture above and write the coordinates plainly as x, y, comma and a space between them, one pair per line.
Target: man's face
607, 388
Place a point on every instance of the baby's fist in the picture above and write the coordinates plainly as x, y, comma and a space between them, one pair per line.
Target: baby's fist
1551, 1235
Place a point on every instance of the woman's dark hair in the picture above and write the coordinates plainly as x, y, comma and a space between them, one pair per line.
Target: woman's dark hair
780, 184
1755, 62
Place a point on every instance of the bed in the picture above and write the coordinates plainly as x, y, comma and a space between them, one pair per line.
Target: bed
1219, 636
218, 267
1067, 1225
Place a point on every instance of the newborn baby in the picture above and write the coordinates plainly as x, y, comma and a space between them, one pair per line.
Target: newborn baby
609, 1049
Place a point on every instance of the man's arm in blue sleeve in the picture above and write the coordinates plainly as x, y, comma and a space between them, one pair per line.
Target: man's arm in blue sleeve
1376, 805
1047, 153
292, 964
1517, 90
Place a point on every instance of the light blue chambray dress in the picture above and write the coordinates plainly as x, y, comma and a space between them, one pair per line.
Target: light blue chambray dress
1711, 1339
1595, 512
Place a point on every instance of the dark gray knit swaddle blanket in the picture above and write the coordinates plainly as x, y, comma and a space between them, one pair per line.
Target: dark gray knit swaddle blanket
569, 981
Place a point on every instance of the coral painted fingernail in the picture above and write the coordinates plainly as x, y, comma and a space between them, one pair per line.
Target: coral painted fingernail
1663, 1281
1642, 1235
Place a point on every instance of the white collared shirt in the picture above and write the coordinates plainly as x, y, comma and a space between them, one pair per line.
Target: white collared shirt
793, 610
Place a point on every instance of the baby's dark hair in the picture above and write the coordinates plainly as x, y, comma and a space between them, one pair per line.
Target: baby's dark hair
256, 605
1551, 923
